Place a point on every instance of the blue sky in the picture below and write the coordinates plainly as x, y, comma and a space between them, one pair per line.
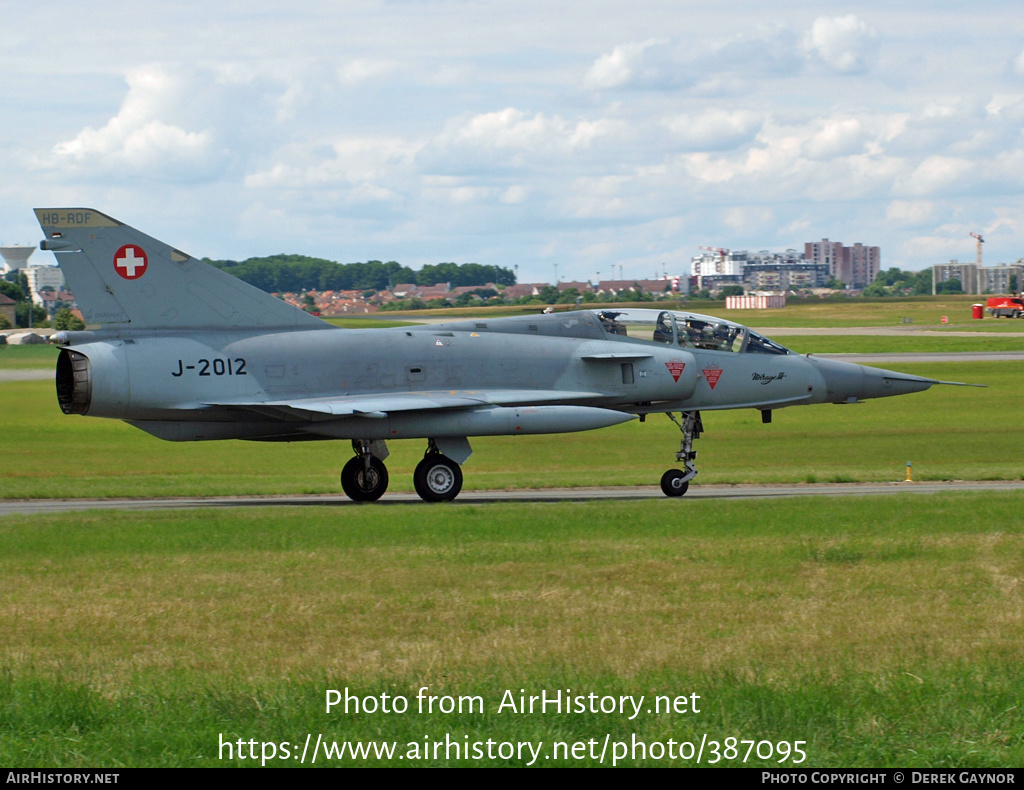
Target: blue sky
588, 135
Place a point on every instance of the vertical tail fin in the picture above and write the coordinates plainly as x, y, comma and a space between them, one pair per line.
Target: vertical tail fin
123, 278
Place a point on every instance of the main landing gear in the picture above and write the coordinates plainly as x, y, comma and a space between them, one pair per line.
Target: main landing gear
437, 477
675, 481
365, 478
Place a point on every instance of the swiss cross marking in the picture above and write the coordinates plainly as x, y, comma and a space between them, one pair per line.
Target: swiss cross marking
712, 375
675, 368
130, 261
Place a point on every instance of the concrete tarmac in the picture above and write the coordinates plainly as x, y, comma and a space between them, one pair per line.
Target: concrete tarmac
42, 506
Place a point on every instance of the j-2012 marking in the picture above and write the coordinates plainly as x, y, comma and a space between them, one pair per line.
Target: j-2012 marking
216, 367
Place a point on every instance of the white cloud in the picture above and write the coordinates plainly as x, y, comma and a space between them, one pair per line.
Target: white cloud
711, 67
837, 137
624, 64
512, 139
745, 218
137, 141
941, 247
910, 213
352, 171
516, 194
716, 129
363, 70
846, 44
938, 175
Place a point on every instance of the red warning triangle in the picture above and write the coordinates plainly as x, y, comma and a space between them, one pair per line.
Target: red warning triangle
675, 368
712, 375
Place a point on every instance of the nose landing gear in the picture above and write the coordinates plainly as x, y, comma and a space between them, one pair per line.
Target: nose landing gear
675, 482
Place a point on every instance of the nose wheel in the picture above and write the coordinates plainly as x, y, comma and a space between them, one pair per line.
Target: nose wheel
675, 482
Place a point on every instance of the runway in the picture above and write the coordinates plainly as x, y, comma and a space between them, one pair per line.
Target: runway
43, 506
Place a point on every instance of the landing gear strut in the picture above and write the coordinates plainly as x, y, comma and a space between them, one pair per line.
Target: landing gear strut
675, 481
364, 478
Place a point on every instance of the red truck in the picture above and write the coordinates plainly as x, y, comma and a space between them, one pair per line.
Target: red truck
1005, 306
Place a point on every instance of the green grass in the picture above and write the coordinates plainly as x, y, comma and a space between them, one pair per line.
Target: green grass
367, 323
28, 357
947, 432
885, 632
922, 310
911, 344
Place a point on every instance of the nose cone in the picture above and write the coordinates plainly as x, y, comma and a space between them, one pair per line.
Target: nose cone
847, 382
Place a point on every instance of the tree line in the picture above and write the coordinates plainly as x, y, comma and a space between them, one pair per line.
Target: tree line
296, 273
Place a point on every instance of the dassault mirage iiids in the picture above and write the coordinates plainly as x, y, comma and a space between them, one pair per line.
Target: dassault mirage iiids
187, 352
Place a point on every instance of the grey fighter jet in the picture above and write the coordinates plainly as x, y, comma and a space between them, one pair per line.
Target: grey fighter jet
187, 352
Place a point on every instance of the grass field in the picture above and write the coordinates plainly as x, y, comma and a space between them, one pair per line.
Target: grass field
913, 344
28, 357
921, 310
881, 632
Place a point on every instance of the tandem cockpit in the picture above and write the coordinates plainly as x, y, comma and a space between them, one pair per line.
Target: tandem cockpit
687, 330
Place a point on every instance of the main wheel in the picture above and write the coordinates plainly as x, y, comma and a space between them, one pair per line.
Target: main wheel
362, 484
672, 483
437, 478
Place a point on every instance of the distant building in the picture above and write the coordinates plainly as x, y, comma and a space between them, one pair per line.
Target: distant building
976, 279
615, 287
718, 264
1002, 279
966, 273
580, 286
856, 266
860, 265
55, 301
522, 290
759, 271
7, 305
826, 253
40, 277
783, 271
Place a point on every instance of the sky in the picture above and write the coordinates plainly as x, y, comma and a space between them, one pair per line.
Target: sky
582, 139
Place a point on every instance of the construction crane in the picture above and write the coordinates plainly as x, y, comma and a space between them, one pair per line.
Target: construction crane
980, 242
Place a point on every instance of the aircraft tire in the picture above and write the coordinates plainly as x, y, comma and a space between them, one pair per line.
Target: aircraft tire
672, 483
437, 478
361, 485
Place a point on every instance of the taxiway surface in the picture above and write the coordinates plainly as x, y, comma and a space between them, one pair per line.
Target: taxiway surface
41, 506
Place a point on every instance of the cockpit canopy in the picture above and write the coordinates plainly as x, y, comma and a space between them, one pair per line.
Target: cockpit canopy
687, 330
